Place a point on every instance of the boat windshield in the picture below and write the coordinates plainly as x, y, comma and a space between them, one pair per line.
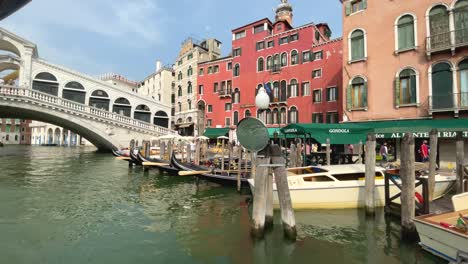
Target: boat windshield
318, 178
355, 176
305, 170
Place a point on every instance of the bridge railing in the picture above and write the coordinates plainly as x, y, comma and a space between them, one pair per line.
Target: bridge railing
14, 91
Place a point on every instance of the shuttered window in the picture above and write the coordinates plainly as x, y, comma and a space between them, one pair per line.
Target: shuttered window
357, 94
461, 22
357, 45
353, 6
405, 88
406, 38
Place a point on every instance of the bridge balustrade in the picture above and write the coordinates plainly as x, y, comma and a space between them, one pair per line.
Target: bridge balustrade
19, 92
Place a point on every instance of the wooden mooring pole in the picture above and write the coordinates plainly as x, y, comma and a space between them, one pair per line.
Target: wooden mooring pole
433, 141
370, 175
284, 197
197, 153
328, 152
359, 160
239, 168
292, 156
407, 175
269, 199
162, 149
460, 157
259, 204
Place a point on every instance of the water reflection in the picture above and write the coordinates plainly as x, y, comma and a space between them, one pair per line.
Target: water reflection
72, 205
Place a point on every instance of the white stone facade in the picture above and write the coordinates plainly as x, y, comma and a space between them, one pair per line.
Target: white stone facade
48, 134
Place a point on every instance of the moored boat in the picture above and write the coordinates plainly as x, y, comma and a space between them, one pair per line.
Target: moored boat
443, 234
160, 164
220, 177
341, 186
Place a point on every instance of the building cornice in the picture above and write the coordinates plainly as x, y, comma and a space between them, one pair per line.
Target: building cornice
328, 42
228, 58
290, 31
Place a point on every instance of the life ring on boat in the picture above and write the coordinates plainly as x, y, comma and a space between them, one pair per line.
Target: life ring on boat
419, 197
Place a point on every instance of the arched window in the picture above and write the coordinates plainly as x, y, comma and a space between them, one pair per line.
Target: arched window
283, 116
143, 113
269, 63
261, 115
406, 33
275, 116
293, 115
236, 70
405, 87
189, 119
179, 91
293, 88
294, 57
179, 121
99, 99
442, 85
189, 71
189, 88
236, 118
247, 113
357, 94
179, 77
357, 48
74, 91
180, 107
284, 59
283, 91
276, 61
276, 92
122, 106
189, 102
161, 119
461, 22
260, 64
463, 73
268, 118
236, 97
46, 83
439, 27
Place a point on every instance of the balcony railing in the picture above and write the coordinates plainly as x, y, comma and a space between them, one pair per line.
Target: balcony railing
277, 100
225, 92
447, 40
275, 68
448, 102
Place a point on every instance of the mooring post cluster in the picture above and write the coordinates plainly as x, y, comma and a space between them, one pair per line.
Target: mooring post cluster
370, 175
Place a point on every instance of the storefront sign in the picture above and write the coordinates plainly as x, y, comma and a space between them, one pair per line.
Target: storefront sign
445, 134
339, 131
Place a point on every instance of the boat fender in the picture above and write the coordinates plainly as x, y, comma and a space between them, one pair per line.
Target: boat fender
419, 197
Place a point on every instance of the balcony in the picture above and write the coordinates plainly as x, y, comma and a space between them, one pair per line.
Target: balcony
449, 40
275, 68
277, 101
448, 103
225, 93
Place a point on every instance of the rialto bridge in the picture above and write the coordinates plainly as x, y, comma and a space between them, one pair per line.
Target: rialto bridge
106, 115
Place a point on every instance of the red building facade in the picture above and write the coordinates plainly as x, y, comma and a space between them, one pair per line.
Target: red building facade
302, 67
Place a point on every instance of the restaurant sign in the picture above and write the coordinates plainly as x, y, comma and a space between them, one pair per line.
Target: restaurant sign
444, 134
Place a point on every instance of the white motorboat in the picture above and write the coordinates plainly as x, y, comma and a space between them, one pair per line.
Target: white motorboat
439, 233
341, 186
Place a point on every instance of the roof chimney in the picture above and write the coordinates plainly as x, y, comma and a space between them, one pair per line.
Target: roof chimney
158, 65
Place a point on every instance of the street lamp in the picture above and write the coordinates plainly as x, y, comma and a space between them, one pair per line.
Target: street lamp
262, 100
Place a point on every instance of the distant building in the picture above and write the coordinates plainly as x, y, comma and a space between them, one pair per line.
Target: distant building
191, 53
48, 134
300, 65
159, 86
119, 81
14, 131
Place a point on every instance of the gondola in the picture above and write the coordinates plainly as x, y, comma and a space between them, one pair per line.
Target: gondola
222, 178
134, 157
167, 168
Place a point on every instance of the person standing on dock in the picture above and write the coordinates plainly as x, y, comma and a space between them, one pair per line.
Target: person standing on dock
424, 151
384, 152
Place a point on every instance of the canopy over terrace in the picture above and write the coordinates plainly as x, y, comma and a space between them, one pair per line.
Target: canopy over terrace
213, 133
344, 133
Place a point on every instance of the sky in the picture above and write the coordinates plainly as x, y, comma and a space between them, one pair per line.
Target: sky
128, 36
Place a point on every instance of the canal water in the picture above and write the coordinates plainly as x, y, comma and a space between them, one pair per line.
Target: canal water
73, 205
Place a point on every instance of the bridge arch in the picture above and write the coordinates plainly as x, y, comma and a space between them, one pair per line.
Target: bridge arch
143, 113
46, 82
122, 106
161, 119
99, 99
74, 91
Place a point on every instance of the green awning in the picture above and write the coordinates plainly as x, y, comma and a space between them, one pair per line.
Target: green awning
337, 133
420, 128
216, 132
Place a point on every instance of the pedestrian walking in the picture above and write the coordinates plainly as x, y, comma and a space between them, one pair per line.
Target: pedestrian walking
384, 152
424, 151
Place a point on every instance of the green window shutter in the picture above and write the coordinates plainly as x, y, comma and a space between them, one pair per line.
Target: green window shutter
413, 89
364, 96
348, 8
327, 94
397, 92
349, 102
364, 4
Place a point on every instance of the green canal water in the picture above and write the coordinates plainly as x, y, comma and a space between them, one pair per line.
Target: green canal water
73, 205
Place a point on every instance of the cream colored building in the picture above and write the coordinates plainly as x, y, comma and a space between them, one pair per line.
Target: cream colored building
158, 86
191, 53
48, 134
